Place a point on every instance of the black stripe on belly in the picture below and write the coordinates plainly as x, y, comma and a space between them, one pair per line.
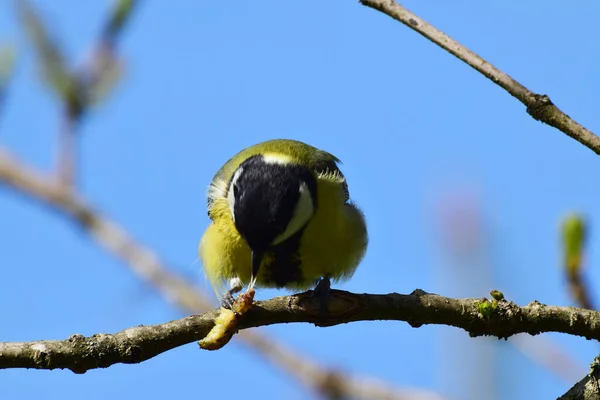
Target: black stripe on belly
284, 265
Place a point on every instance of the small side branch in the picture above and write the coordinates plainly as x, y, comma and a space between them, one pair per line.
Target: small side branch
579, 289
539, 106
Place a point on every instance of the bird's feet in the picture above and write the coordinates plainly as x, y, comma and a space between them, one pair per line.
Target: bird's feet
227, 300
323, 292
235, 285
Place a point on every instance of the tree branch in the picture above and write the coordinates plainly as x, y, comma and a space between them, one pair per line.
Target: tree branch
126, 347
47, 191
588, 388
539, 106
478, 317
80, 354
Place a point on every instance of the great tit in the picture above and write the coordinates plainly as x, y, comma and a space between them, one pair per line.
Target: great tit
281, 218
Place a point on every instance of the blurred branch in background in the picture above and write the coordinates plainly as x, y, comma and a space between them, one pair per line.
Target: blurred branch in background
546, 353
574, 238
468, 368
540, 107
334, 384
7, 64
463, 231
79, 90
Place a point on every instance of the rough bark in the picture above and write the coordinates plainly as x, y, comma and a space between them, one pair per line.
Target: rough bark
497, 318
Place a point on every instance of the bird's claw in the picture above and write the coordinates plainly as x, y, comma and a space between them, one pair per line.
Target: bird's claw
323, 292
227, 300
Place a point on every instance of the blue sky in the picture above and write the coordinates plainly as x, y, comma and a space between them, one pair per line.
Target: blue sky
415, 128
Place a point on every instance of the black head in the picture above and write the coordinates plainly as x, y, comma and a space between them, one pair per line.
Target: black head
270, 200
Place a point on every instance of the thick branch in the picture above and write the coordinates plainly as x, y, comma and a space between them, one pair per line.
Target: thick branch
478, 317
80, 354
538, 106
588, 388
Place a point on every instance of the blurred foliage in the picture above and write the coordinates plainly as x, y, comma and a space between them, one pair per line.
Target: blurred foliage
78, 89
108, 81
7, 63
118, 17
574, 232
107, 68
51, 59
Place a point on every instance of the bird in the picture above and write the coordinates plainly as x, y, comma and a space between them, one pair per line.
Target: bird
281, 217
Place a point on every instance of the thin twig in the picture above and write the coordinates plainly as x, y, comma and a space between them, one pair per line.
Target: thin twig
539, 106
502, 319
67, 149
579, 289
146, 264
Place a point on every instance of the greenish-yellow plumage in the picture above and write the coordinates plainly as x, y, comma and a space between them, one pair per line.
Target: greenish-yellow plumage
281, 217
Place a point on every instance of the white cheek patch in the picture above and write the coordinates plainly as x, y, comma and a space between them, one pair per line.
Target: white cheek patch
217, 190
302, 214
230, 194
275, 158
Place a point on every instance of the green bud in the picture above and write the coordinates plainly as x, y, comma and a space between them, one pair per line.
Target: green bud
497, 295
574, 231
486, 308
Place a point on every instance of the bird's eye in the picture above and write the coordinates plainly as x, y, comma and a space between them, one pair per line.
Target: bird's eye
235, 190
